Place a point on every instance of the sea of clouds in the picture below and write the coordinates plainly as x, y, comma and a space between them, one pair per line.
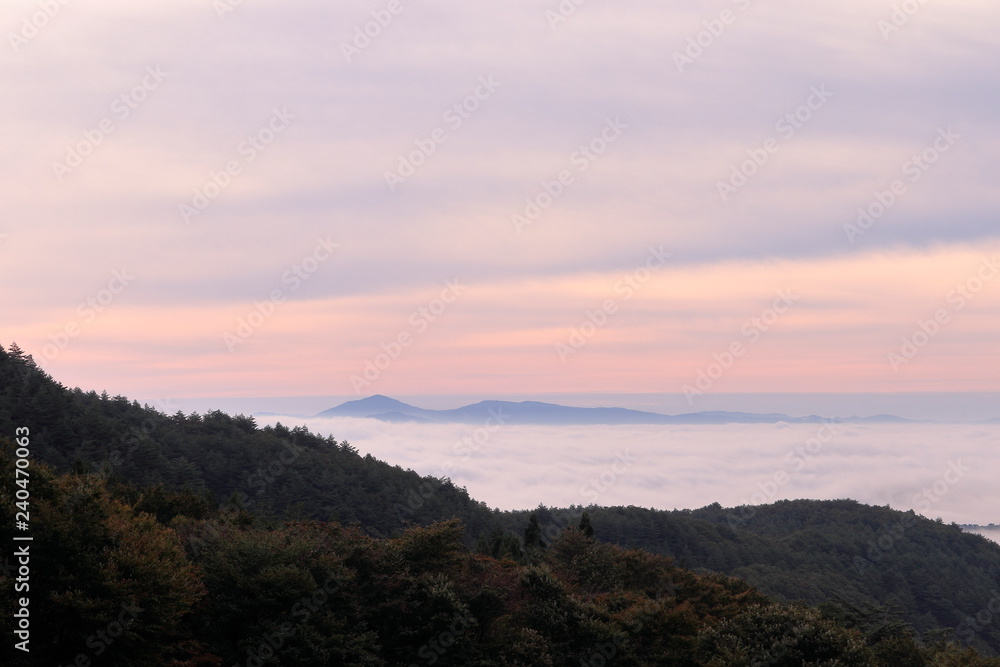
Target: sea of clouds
938, 470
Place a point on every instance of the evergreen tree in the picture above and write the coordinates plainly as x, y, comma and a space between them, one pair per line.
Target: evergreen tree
533, 534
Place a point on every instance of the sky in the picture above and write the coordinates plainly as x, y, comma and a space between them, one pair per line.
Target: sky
223, 198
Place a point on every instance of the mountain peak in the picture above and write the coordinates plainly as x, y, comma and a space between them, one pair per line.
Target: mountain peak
369, 407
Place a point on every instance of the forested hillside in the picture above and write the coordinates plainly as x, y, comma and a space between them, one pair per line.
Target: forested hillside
123, 576
818, 551
861, 563
275, 471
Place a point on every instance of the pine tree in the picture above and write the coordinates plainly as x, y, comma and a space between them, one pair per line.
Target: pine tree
533, 534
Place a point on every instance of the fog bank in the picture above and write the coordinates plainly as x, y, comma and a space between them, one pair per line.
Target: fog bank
946, 471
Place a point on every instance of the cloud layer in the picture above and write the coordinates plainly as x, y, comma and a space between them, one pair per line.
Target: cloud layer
946, 471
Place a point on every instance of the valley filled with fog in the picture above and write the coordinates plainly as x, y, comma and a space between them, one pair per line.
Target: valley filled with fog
938, 470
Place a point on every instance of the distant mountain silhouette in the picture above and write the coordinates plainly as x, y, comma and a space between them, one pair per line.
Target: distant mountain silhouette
369, 407
879, 419
536, 413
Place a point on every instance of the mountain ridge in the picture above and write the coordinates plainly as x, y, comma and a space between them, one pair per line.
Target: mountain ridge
818, 551
385, 408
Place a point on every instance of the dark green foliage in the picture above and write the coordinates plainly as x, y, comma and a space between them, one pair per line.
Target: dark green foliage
376, 569
783, 637
500, 543
105, 579
821, 551
275, 471
312, 593
533, 535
